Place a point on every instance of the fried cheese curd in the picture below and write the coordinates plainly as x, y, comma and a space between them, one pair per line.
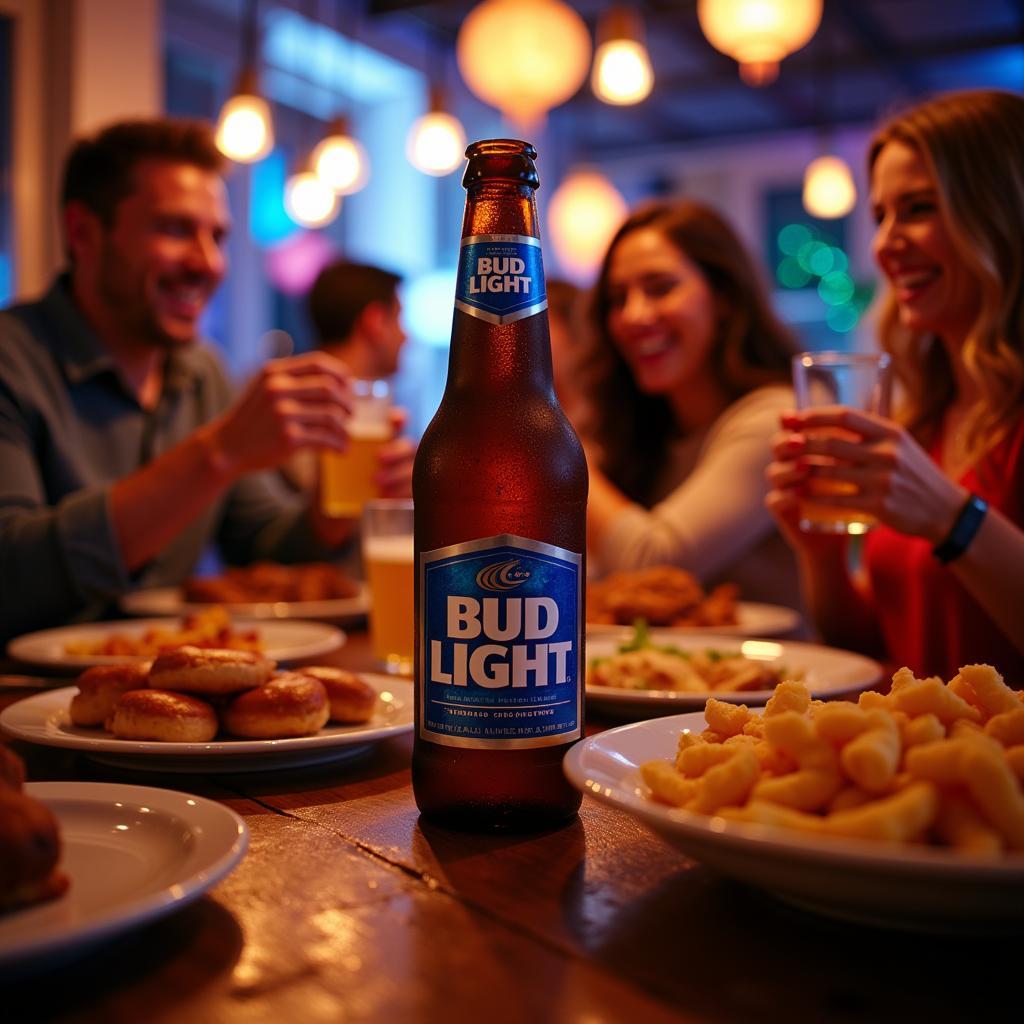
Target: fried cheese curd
929, 762
209, 628
662, 595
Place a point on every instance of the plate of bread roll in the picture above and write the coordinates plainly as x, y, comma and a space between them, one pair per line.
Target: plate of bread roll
193, 709
83, 861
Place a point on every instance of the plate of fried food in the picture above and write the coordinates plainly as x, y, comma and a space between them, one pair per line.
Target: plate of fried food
87, 860
73, 648
665, 595
664, 671
904, 810
194, 709
263, 590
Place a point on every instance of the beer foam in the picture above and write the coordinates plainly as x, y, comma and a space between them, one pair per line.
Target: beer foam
389, 549
371, 430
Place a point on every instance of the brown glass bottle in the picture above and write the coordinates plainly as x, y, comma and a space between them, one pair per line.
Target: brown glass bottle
500, 490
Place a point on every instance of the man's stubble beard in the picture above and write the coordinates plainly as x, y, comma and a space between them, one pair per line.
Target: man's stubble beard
125, 297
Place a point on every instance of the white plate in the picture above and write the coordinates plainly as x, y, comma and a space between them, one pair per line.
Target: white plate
170, 601
873, 883
283, 641
44, 719
827, 672
754, 619
132, 853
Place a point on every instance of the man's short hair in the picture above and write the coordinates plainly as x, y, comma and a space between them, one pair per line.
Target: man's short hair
342, 291
98, 171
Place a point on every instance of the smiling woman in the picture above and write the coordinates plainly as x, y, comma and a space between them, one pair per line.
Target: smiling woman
945, 570
686, 376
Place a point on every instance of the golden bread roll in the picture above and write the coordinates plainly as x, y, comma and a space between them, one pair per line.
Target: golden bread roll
351, 698
163, 716
12, 769
209, 670
290, 704
100, 688
29, 851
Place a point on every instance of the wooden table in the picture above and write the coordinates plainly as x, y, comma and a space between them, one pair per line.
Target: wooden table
348, 907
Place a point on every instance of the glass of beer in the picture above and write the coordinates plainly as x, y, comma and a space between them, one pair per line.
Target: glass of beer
388, 561
346, 478
860, 381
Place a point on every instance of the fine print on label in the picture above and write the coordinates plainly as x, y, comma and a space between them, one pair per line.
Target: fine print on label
500, 644
501, 278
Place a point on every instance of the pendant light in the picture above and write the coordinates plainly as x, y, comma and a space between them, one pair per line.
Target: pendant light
759, 33
340, 161
583, 213
436, 142
523, 56
622, 68
245, 129
829, 191
309, 200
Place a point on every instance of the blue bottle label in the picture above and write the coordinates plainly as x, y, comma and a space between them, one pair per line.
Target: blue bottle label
501, 278
500, 644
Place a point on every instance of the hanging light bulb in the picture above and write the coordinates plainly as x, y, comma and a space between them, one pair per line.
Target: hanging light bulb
245, 131
523, 56
436, 141
829, 191
583, 214
622, 69
339, 161
309, 200
759, 33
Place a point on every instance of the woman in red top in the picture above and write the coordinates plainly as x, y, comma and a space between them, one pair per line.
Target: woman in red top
942, 581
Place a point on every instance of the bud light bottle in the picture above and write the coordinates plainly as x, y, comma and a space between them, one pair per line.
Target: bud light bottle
500, 491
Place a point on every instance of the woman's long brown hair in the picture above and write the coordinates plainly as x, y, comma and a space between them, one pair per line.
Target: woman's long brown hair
632, 429
973, 146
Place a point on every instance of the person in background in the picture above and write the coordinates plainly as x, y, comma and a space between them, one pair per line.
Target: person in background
686, 377
942, 579
123, 451
568, 327
357, 317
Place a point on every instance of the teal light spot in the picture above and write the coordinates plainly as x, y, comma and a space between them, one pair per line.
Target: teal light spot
842, 318
791, 237
821, 261
840, 261
836, 288
791, 275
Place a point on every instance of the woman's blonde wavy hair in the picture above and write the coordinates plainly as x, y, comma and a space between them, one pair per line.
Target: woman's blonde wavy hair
973, 145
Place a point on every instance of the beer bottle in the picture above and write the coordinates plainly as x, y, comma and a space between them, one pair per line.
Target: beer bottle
500, 493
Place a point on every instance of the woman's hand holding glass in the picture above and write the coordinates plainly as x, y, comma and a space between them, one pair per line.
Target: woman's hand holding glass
887, 473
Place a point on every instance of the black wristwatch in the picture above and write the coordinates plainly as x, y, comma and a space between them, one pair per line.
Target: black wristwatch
967, 524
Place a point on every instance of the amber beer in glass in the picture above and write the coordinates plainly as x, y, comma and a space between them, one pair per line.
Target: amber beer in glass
861, 381
387, 558
500, 491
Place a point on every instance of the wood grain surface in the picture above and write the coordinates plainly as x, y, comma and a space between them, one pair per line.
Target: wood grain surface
348, 907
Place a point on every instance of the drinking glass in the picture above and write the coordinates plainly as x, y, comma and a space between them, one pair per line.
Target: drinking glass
388, 560
346, 478
860, 381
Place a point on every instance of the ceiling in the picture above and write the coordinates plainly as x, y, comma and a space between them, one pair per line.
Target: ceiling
867, 57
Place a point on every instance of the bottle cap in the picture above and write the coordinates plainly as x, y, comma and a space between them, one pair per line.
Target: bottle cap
501, 160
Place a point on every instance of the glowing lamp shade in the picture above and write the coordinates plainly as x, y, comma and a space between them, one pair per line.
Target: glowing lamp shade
436, 143
244, 129
341, 163
523, 56
622, 72
759, 33
309, 201
583, 214
829, 191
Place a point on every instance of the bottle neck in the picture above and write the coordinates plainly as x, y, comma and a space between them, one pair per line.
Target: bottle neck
486, 356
